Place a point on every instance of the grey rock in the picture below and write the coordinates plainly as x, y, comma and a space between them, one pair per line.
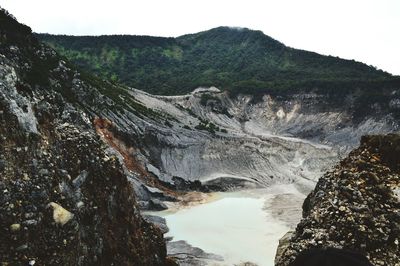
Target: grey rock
358, 206
31, 222
189, 255
2, 165
160, 222
283, 244
22, 247
79, 180
157, 205
44, 172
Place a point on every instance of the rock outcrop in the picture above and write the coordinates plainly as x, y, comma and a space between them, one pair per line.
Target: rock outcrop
356, 206
65, 200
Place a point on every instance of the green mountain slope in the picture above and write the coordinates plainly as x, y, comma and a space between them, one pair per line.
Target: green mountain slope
238, 60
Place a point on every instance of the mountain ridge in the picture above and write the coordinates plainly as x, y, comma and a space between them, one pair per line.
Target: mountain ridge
239, 61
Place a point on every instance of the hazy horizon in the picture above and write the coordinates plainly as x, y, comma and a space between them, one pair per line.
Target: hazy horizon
361, 30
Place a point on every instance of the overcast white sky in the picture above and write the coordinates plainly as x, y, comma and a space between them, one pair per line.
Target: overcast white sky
364, 30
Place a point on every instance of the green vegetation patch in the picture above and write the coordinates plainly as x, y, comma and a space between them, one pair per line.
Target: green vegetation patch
236, 60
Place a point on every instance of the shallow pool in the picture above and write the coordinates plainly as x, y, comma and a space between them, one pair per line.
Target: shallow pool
237, 226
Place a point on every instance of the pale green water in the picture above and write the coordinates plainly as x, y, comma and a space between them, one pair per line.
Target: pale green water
234, 226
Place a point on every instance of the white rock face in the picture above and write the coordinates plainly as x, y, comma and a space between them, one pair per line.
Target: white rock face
270, 141
20, 106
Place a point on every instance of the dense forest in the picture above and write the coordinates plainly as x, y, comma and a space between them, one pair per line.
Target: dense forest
237, 60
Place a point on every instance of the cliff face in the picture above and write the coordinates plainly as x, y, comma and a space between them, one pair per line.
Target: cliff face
64, 198
356, 206
207, 135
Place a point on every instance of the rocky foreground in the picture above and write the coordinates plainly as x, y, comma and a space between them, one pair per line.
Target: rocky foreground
64, 199
356, 206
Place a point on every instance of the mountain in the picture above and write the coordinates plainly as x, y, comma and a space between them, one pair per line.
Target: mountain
235, 59
82, 156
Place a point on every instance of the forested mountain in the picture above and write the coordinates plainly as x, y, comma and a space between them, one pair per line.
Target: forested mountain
233, 59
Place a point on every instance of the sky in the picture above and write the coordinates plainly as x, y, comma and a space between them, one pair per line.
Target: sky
364, 30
